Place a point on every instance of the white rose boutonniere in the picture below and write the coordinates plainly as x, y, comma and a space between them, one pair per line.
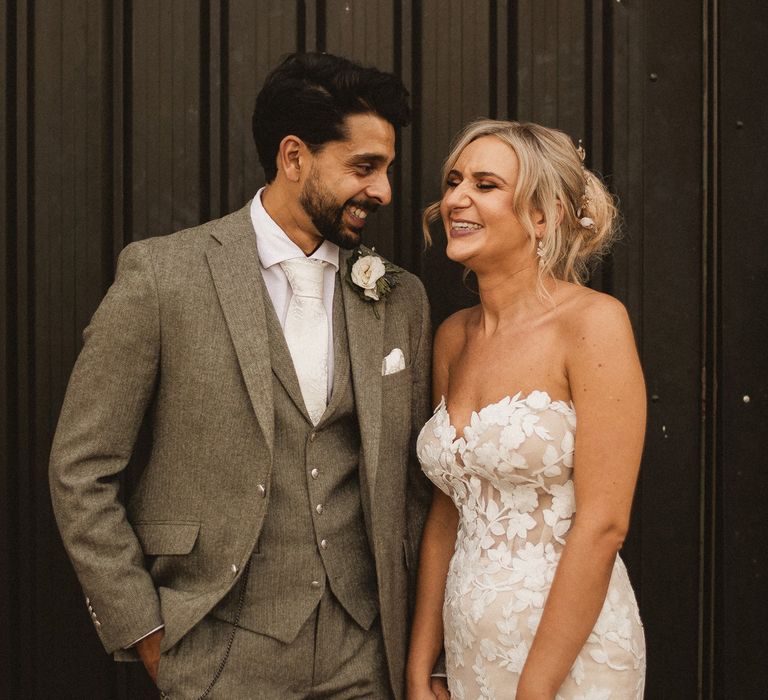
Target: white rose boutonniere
370, 275
366, 272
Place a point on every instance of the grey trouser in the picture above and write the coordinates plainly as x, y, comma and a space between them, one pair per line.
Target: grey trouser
332, 657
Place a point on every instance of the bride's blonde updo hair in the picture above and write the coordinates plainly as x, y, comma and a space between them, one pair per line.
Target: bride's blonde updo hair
579, 211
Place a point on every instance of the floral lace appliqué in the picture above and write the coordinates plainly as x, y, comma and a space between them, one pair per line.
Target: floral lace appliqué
510, 474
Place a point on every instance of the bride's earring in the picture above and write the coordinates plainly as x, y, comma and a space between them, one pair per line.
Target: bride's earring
540, 251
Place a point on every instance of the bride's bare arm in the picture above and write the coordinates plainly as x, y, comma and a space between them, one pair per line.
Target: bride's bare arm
608, 393
437, 545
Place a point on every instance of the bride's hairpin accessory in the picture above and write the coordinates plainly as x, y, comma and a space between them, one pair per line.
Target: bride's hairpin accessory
584, 220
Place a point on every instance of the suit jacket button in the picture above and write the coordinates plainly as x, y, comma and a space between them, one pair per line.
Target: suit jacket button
233, 569
315, 584
312, 436
262, 491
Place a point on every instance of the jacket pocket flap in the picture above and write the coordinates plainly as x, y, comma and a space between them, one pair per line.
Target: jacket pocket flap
159, 538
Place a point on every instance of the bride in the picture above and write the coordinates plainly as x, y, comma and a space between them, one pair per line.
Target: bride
535, 444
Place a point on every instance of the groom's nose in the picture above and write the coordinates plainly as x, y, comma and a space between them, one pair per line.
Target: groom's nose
379, 189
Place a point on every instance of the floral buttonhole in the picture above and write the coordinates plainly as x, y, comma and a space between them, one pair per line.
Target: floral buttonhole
371, 276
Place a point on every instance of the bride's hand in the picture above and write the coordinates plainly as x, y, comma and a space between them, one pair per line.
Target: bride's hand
435, 689
439, 688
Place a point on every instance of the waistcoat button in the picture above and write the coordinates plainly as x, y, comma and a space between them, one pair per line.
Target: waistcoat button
314, 473
233, 568
319, 508
315, 584
324, 544
262, 491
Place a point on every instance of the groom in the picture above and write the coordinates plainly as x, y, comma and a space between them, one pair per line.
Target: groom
269, 549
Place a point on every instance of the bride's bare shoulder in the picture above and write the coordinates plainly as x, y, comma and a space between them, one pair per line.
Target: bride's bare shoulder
452, 333
587, 311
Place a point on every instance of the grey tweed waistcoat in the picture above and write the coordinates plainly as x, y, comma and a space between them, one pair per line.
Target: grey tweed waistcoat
314, 533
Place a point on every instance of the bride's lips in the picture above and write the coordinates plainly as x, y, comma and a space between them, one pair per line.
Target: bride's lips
460, 228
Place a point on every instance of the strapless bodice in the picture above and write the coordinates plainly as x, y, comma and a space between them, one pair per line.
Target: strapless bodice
509, 473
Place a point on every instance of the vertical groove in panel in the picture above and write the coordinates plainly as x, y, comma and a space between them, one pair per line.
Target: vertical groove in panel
114, 128
212, 107
607, 117
9, 646
710, 658
205, 99
493, 68
589, 88
416, 174
513, 63
402, 142
301, 25
320, 24
223, 107
124, 137
25, 314
499, 27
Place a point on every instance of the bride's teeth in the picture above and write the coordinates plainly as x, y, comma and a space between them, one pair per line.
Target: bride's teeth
465, 225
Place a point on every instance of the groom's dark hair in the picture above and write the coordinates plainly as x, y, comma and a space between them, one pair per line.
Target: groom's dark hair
310, 94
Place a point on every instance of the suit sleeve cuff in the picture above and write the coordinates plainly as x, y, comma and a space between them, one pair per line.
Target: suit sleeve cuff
144, 636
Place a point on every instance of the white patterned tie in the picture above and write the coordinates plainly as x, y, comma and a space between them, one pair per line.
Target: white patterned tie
306, 332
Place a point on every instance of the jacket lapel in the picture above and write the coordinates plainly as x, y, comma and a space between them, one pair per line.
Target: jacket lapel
236, 272
365, 333
340, 352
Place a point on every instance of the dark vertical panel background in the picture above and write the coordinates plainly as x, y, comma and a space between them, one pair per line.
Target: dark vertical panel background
124, 119
670, 317
741, 557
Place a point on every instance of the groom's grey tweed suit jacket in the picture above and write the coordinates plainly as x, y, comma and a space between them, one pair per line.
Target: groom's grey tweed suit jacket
182, 333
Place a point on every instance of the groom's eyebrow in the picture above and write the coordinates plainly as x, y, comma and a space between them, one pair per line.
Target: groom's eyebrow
373, 158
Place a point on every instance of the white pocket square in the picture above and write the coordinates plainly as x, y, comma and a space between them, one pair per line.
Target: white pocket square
394, 362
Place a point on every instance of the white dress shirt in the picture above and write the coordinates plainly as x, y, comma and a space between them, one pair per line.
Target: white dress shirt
274, 247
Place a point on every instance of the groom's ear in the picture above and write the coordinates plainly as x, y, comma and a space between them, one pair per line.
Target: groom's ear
291, 156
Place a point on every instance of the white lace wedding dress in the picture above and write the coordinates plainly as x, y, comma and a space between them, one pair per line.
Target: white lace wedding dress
510, 476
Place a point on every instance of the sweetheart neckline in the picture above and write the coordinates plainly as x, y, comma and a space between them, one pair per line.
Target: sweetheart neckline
518, 397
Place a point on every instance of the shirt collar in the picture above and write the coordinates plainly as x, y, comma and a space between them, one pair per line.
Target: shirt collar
273, 244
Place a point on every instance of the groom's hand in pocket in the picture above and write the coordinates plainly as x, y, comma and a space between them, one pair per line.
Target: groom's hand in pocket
149, 652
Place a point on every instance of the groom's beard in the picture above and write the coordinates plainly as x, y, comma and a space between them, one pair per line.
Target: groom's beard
327, 215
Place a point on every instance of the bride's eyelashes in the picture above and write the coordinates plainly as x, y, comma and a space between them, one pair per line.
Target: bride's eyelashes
451, 183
